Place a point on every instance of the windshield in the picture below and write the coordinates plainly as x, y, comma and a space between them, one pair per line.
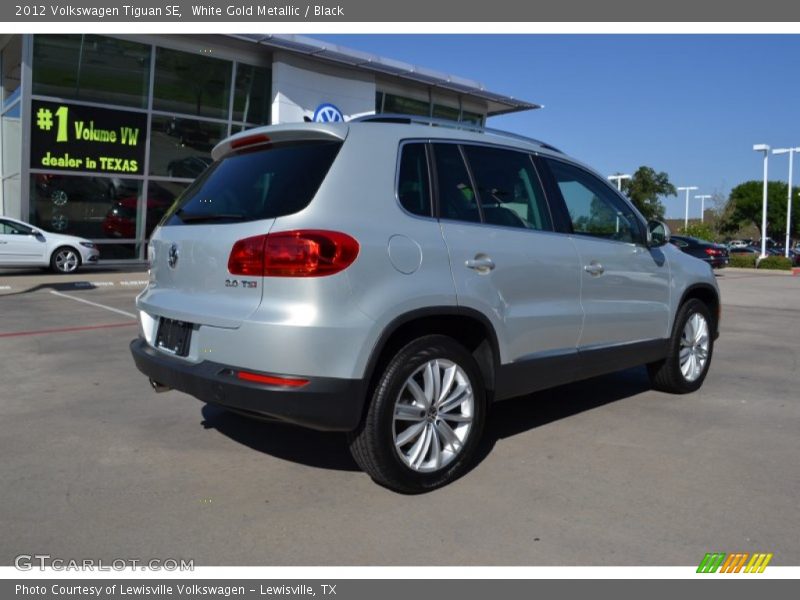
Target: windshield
253, 185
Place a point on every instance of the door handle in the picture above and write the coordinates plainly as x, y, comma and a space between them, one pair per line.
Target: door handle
481, 263
594, 268
3, 242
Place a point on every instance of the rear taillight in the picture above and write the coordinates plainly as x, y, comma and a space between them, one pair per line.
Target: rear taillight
302, 253
713, 252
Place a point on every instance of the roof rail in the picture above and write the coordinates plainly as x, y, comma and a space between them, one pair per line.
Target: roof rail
462, 125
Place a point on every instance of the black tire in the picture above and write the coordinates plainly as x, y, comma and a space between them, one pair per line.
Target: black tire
666, 375
373, 443
65, 260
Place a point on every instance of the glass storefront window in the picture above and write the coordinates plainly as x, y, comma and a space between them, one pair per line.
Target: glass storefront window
84, 206
445, 112
11, 59
405, 106
470, 117
182, 147
91, 67
160, 197
252, 96
191, 84
118, 251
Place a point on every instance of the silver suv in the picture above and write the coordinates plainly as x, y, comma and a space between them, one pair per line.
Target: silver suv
392, 278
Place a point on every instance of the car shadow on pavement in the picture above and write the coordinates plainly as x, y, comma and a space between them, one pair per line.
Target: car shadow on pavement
66, 286
322, 449
517, 415
328, 450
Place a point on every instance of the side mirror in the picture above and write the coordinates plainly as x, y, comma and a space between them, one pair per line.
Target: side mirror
658, 234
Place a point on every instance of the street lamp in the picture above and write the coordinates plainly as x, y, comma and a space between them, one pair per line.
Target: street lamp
618, 179
703, 198
686, 215
790, 152
765, 149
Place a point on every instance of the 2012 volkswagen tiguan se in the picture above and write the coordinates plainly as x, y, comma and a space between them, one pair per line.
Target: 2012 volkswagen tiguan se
391, 278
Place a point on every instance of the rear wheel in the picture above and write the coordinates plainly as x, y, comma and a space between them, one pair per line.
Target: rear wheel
65, 260
425, 419
690, 349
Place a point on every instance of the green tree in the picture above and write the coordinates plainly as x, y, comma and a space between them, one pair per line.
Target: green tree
645, 188
701, 231
744, 207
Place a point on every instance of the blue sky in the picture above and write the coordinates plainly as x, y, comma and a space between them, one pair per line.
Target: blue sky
690, 105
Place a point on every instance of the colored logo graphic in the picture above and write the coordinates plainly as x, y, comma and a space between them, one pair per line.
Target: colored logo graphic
328, 113
735, 562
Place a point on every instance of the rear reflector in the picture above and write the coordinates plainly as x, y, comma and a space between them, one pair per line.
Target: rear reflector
271, 379
301, 253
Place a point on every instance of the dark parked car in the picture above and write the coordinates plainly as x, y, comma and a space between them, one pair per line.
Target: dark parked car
714, 254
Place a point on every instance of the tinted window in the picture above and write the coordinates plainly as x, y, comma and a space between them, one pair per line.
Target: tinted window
457, 199
508, 188
91, 67
192, 84
593, 207
413, 188
251, 100
257, 185
9, 228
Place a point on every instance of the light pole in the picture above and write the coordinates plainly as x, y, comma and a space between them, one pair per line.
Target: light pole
703, 198
790, 152
686, 214
765, 149
618, 179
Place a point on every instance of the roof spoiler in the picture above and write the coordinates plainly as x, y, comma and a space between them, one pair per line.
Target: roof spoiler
266, 136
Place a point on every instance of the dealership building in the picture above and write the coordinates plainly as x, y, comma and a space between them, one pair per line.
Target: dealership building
101, 133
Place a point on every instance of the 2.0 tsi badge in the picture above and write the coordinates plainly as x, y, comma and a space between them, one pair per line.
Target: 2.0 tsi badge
172, 257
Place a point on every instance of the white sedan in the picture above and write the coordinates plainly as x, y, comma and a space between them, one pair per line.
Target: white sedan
23, 245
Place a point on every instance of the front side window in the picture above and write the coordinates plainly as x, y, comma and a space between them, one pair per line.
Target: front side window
413, 189
593, 207
9, 228
508, 188
457, 199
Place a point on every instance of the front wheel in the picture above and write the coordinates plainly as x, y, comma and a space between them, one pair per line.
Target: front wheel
425, 419
689, 354
65, 260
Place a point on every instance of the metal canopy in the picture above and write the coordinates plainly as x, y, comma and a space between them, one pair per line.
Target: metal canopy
306, 46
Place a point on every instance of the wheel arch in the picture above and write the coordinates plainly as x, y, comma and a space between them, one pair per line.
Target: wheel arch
709, 296
71, 247
467, 326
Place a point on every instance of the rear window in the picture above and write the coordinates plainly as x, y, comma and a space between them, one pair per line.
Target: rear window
253, 185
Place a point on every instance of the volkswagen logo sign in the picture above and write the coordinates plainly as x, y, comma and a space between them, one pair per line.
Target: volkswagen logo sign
172, 257
328, 113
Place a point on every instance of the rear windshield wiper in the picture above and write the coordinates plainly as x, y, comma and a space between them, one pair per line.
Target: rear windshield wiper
204, 217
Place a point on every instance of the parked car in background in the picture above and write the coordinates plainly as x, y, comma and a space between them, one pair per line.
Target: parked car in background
714, 254
737, 244
744, 251
23, 245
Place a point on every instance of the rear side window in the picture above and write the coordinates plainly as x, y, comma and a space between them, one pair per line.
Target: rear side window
259, 184
508, 188
457, 199
413, 183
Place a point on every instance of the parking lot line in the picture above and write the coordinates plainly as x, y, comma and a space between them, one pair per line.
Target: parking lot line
98, 305
65, 329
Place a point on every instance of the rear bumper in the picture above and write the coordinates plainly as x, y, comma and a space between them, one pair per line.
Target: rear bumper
325, 403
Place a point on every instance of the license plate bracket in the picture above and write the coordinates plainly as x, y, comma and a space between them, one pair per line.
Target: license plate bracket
174, 336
